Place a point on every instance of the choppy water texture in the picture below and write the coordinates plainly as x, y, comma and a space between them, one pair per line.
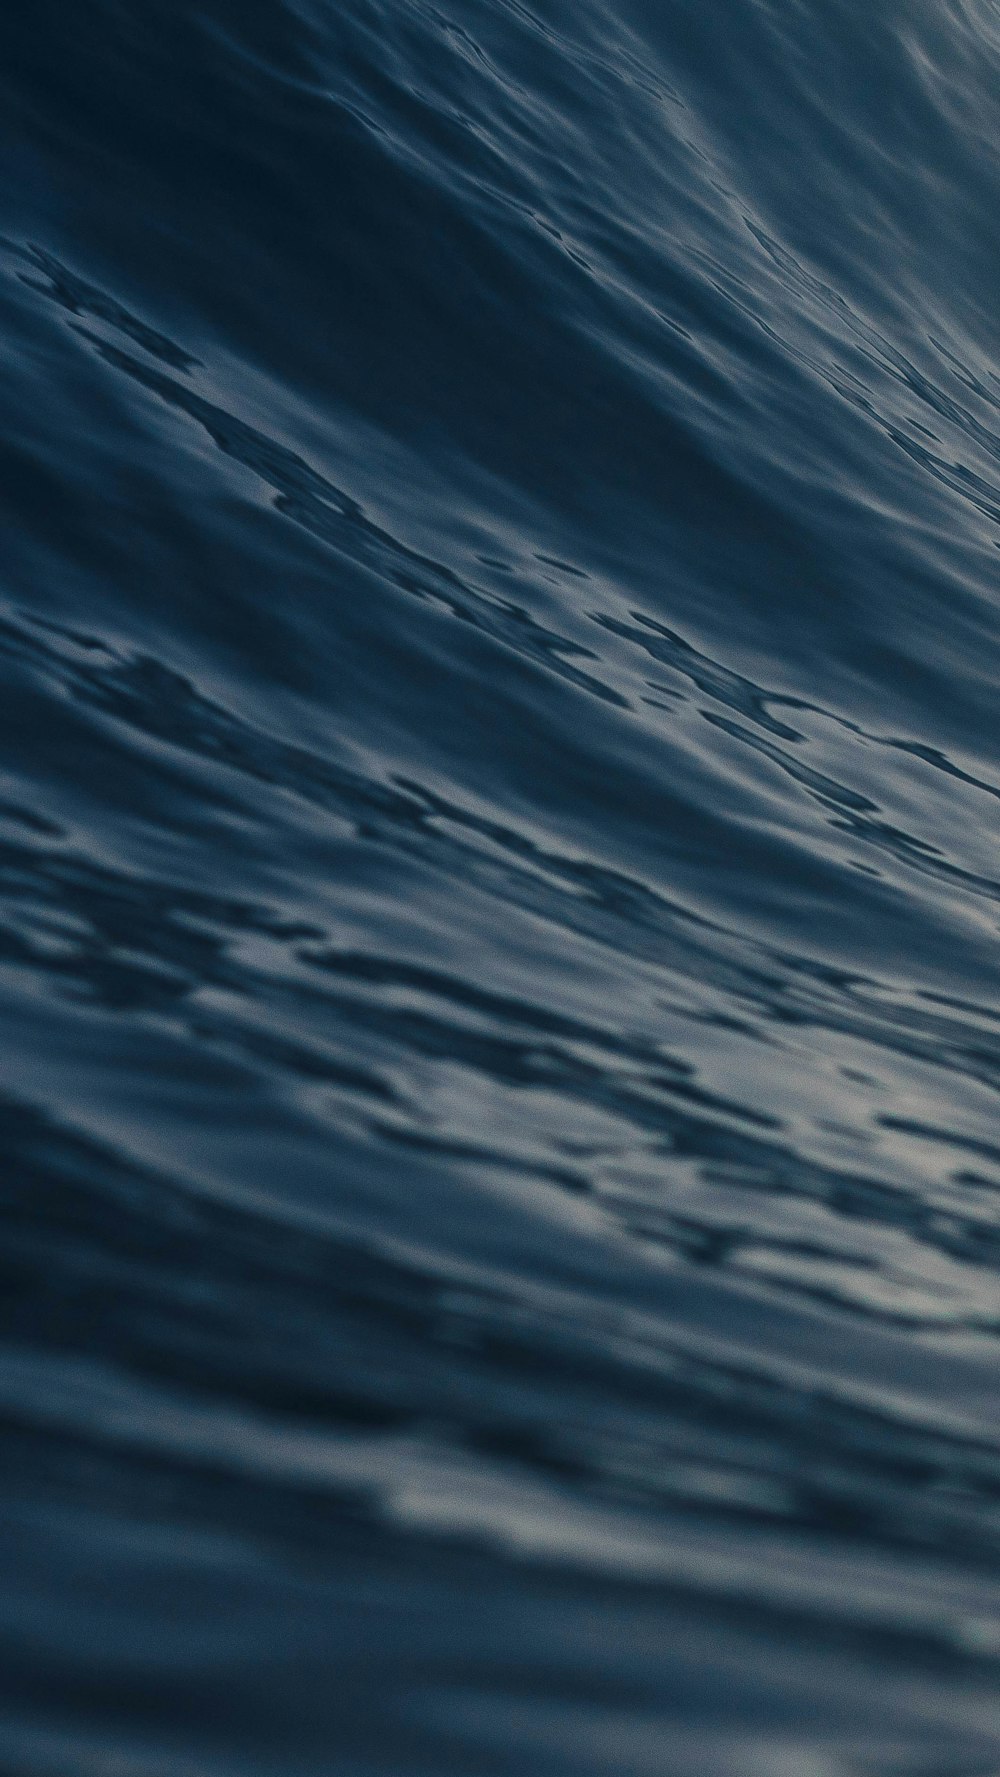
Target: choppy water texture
499, 888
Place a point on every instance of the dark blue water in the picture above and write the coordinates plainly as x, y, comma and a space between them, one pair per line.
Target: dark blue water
499, 879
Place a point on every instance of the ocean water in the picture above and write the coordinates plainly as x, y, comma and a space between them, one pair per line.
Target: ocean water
499, 879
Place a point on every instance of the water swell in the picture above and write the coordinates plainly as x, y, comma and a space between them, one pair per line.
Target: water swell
498, 888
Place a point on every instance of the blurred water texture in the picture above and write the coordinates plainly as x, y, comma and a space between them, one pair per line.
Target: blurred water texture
498, 888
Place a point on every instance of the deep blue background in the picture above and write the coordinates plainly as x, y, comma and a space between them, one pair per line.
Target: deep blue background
499, 627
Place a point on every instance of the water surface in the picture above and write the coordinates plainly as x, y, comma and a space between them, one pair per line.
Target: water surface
498, 888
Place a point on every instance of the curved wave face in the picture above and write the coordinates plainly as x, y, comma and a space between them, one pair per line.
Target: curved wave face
499, 888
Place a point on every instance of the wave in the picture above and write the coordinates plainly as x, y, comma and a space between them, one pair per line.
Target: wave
498, 880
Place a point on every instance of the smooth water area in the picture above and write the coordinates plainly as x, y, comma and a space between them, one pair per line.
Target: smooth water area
499, 879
